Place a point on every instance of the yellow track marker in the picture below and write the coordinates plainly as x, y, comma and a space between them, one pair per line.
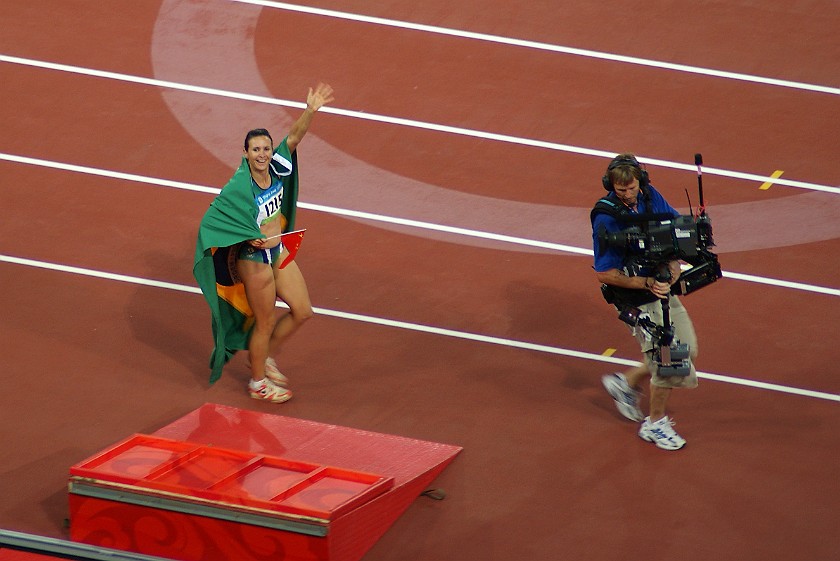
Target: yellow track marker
776, 174
608, 352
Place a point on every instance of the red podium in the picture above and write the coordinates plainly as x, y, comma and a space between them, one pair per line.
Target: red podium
14, 555
223, 483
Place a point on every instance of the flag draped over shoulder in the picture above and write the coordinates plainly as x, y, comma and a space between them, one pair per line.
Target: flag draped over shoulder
231, 220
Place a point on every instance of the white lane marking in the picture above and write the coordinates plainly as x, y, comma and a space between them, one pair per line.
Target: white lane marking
407, 122
543, 46
393, 220
512, 343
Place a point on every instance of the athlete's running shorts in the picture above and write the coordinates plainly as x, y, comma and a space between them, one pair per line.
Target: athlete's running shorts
267, 256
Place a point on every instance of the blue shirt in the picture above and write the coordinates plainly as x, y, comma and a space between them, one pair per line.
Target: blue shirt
614, 257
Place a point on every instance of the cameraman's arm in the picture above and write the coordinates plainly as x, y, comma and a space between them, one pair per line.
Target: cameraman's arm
616, 277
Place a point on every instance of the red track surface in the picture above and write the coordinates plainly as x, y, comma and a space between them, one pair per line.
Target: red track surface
549, 470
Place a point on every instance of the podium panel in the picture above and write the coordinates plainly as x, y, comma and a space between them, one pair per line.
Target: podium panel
223, 483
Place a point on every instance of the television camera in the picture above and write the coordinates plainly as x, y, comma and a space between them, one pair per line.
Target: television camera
654, 239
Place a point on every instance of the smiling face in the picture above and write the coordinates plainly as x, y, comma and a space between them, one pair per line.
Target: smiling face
258, 153
628, 194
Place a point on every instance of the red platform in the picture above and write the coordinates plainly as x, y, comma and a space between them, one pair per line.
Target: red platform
15, 555
223, 483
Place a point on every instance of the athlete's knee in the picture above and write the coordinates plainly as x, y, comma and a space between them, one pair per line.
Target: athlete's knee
301, 314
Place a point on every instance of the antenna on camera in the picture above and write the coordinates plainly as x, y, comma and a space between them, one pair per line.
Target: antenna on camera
690, 208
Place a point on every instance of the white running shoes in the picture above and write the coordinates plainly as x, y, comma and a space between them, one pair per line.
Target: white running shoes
626, 398
269, 391
661, 433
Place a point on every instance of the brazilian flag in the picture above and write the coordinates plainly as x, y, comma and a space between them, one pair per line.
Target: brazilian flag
230, 221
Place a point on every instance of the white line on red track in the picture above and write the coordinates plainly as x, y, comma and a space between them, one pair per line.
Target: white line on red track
543, 46
751, 177
391, 220
511, 343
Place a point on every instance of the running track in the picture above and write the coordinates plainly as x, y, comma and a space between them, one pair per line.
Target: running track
446, 195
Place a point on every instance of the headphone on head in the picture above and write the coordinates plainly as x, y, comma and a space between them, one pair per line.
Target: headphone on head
644, 179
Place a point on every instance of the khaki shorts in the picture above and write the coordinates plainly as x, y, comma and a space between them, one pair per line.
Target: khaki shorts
683, 333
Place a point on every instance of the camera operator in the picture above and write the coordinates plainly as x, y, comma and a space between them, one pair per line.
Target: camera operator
630, 284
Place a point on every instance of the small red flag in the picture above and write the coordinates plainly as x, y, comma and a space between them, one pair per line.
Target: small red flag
291, 241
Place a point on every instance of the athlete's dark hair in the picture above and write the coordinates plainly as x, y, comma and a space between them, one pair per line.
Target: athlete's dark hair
257, 132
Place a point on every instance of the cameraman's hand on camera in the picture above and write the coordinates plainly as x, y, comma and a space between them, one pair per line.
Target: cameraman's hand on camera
662, 288
659, 288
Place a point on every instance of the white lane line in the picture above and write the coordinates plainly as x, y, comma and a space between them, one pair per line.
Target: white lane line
783, 283
392, 220
543, 46
751, 177
106, 173
512, 343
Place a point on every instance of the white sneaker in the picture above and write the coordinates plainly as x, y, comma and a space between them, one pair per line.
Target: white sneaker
626, 398
661, 433
269, 391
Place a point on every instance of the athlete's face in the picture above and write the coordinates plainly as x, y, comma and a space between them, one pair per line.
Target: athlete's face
258, 153
628, 194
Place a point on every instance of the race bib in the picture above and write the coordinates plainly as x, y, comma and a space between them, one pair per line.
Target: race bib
268, 203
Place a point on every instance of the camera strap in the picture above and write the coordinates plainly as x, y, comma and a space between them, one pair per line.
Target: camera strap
606, 206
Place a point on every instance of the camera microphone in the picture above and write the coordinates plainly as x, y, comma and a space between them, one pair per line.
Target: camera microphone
698, 161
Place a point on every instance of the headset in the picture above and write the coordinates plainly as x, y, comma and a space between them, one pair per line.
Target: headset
644, 179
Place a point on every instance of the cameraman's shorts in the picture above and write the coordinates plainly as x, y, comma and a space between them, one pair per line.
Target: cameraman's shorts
683, 333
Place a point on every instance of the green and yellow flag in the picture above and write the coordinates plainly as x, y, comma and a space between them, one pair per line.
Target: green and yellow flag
230, 221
